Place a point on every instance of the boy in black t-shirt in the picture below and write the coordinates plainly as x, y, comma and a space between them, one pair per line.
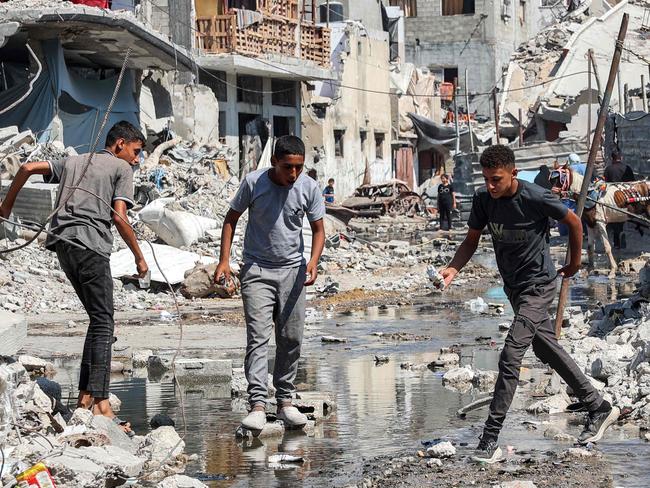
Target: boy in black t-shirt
446, 202
517, 214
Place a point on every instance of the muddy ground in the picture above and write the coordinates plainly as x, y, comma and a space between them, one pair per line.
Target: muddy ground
548, 470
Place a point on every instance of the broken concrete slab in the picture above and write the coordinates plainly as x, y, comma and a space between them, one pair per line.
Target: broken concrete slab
195, 371
553, 404
72, 471
118, 437
272, 429
116, 462
13, 332
140, 358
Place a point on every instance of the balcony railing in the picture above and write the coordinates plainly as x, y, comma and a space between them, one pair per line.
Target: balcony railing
278, 32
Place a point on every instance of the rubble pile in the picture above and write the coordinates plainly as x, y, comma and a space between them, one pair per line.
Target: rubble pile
33, 282
78, 448
612, 345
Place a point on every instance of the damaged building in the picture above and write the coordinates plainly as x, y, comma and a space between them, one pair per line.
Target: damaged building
254, 54
347, 121
60, 66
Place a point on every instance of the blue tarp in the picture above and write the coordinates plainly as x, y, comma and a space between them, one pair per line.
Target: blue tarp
93, 96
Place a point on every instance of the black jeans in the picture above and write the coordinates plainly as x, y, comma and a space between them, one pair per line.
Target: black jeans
532, 325
444, 210
90, 275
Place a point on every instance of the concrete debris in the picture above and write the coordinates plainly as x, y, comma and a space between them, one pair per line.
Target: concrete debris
90, 450
464, 378
199, 283
443, 449
180, 481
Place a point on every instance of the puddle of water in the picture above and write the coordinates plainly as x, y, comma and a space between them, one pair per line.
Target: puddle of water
381, 409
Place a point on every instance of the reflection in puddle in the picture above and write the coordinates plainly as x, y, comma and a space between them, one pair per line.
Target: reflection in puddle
382, 409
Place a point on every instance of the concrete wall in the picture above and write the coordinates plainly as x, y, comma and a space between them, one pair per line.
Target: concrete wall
442, 38
353, 111
366, 11
196, 113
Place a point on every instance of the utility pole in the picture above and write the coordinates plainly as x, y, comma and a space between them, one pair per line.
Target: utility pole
644, 97
591, 160
595, 68
496, 113
626, 97
469, 119
589, 66
456, 115
521, 128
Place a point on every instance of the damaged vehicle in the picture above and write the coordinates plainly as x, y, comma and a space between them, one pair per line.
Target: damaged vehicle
390, 198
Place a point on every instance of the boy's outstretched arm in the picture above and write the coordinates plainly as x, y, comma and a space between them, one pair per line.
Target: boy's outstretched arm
25, 171
575, 245
121, 221
317, 245
227, 233
464, 253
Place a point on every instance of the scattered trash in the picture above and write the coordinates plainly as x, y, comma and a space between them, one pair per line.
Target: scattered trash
435, 277
381, 359
333, 339
285, 458
477, 305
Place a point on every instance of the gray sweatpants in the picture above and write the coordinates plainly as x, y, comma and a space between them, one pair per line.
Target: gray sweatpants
532, 325
272, 297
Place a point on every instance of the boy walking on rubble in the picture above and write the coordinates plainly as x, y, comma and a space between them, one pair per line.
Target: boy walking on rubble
85, 243
275, 274
517, 215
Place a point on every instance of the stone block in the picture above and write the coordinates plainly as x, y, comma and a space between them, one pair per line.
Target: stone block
196, 371
180, 481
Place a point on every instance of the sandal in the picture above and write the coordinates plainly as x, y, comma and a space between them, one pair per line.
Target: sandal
123, 423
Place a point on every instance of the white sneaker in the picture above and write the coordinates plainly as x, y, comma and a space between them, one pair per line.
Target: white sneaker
256, 420
292, 417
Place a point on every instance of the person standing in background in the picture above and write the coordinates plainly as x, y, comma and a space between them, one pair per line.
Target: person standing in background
446, 202
328, 191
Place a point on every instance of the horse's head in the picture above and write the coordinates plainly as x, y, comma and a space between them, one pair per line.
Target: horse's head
561, 178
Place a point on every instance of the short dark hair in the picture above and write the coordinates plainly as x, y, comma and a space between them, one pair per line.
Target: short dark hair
124, 130
288, 145
444, 175
498, 156
331, 180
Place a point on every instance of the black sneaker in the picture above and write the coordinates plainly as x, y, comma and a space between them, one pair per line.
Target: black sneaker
488, 451
597, 423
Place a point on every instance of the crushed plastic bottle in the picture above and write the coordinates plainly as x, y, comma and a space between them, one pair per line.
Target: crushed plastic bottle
435, 277
478, 305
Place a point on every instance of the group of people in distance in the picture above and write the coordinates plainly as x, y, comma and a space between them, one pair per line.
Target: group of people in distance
274, 274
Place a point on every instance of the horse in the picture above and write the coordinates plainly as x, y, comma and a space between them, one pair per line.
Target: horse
601, 206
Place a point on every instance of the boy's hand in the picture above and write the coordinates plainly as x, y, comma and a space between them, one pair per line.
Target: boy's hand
142, 267
312, 273
223, 274
569, 270
448, 274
